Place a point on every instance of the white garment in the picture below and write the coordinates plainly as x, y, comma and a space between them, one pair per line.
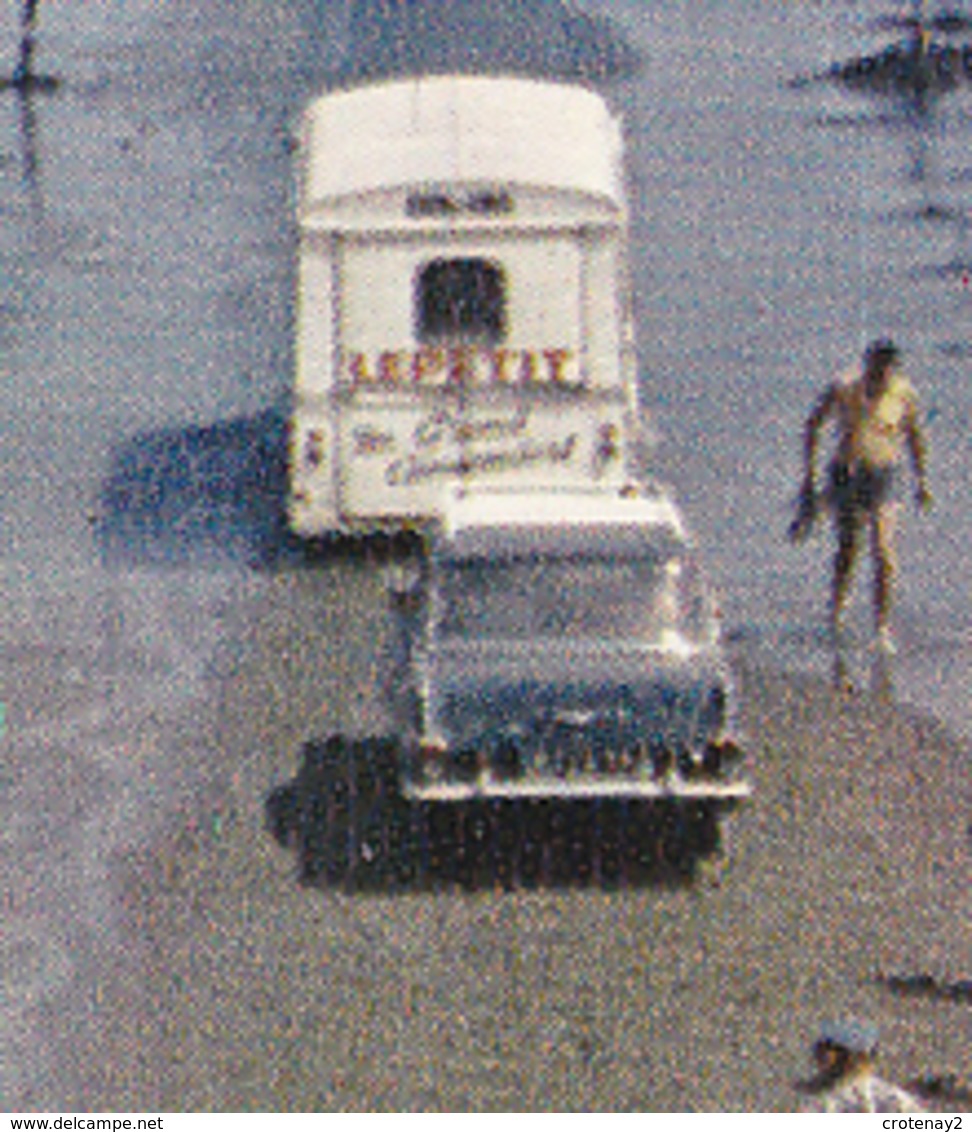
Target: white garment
867, 1092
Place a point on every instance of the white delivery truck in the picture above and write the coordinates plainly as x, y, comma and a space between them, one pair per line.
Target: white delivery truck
462, 312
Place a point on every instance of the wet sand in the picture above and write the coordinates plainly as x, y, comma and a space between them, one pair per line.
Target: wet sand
240, 990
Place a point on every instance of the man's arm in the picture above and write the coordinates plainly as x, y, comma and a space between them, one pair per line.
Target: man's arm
807, 503
815, 421
917, 450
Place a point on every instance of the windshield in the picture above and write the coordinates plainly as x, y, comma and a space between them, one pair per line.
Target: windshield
632, 599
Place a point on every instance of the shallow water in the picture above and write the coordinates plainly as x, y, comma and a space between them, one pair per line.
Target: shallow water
778, 228
146, 270
146, 274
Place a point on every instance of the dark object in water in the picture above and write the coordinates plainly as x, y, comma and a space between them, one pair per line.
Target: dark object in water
945, 23
929, 987
551, 38
23, 79
174, 494
30, 84
917, 67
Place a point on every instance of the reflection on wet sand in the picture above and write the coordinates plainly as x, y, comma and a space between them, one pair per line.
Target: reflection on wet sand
176, 495
532, 37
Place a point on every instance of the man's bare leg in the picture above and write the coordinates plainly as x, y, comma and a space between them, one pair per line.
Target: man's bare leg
848, 538
883, 523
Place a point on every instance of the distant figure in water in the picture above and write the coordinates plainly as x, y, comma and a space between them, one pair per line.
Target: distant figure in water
846, 1080
24, 78
23, 72
874, 411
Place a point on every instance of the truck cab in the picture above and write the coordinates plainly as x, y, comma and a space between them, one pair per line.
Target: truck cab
562, 644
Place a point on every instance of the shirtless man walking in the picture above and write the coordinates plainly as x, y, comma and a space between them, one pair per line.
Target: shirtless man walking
875, 416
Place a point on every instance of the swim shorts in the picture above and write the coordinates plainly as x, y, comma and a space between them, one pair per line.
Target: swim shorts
861, 487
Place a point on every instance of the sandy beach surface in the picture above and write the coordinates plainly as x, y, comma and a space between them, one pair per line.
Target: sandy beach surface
233, 988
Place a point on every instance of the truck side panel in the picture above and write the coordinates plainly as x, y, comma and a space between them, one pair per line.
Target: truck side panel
313, 481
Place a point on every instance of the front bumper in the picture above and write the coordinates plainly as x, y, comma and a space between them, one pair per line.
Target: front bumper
579, 789
648, 775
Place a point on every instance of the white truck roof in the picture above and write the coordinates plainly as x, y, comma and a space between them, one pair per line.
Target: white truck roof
494, 521
461, 128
